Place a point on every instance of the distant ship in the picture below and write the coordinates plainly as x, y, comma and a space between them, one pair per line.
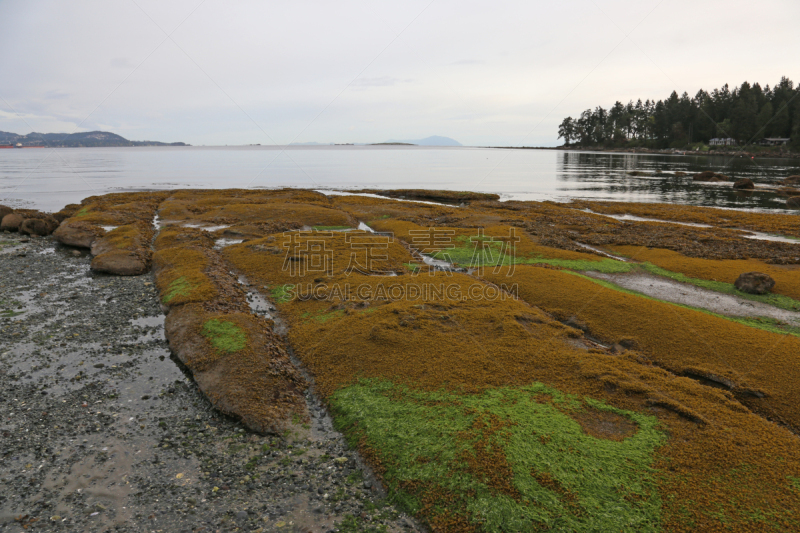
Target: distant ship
19, 145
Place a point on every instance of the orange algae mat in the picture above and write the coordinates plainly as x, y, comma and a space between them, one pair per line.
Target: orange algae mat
787, 277
483, 412
455, 333
761, 368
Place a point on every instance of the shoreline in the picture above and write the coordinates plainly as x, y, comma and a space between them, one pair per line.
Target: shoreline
655, 151
103, 429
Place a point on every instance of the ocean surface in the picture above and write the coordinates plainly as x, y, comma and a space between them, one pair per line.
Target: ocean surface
48, 179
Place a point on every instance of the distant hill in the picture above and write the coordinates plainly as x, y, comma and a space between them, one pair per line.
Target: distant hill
86, 139
433, 140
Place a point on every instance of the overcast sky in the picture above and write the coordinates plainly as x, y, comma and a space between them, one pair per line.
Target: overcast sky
485, 73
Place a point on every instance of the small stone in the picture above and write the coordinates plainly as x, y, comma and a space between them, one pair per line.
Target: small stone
367, 484
340, 460
744, 183
241, 515
76, 253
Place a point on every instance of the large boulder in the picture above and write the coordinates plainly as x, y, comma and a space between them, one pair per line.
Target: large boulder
754, 283
792, 180
5, 210
38, 226
11, 222
79, 234
120, 263
710, 176
744, 183
793, 202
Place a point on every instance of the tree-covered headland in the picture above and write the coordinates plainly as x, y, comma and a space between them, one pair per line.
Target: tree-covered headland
748, 114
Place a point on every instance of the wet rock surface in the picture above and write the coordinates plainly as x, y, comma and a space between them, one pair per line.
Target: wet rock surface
710, 176
101, 430
754, 283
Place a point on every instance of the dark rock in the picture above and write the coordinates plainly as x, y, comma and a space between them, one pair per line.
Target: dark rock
5, 210
628, 343
794, 201
80, 234
754, 283
710, 176
744, 183
11, 222
792, 180
38, 226
120, 263
241, 515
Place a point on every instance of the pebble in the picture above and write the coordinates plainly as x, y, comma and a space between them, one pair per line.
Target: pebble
131, 450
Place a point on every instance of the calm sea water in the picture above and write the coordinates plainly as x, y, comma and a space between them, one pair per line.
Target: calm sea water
48, 179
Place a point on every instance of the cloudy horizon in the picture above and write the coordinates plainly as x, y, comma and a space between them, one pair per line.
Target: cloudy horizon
214, 73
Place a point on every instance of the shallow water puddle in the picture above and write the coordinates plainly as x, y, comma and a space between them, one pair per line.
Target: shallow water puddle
601, 252
750, 234
219, 244
681, 293
206, 228
331, 192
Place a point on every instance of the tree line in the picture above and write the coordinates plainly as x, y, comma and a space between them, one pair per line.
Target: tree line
748, 114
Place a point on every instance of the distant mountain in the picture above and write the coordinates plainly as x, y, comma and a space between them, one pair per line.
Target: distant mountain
433, 140
87, 138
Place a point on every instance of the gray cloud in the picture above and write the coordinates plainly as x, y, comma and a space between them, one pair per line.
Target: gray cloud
382, 81
342, 72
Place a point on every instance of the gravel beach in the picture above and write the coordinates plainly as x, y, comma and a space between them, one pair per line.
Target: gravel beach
102, 430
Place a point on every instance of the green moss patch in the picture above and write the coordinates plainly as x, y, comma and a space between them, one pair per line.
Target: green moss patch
282, 293
468, 253
224, 335
509, 459
179, 287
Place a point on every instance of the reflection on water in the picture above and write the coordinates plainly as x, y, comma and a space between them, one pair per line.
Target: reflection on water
49, 179
608, 176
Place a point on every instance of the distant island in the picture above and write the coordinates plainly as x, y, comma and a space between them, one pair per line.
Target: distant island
92, 139
433, 140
